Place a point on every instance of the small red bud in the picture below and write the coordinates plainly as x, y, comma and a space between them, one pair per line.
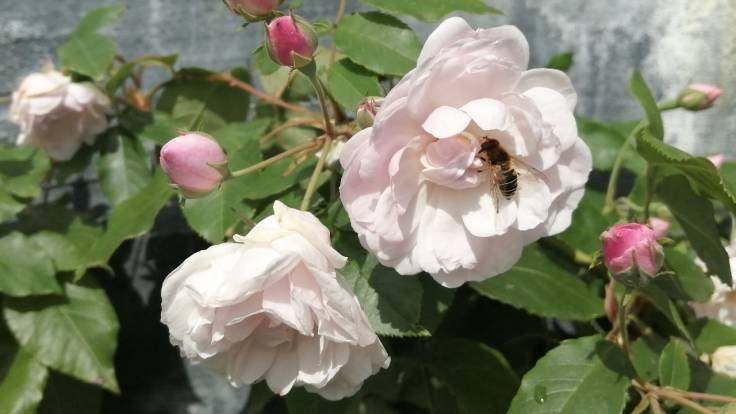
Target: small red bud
699, 96
291, 41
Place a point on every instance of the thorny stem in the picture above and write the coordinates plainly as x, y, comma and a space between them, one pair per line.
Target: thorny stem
675, 395
622, 322
237, 83
265, 163
338, 17
618, 162
314, 179
616, 169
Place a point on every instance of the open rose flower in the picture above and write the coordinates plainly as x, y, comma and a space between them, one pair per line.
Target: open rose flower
722, 304
270, 307
419, 190
57, 114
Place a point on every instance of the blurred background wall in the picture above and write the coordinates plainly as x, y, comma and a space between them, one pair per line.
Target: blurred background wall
672, 42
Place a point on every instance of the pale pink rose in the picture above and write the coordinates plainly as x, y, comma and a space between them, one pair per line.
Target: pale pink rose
659, 226
723, 360
190, 160
722, 304
631, 248
253, 8
717, 160
271, 307
58, 115
289, 35
415, 188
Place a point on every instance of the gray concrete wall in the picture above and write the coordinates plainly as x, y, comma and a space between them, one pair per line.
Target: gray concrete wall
671, 41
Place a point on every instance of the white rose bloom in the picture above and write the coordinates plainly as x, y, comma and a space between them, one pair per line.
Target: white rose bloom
57, 114
416, 186
722, 304
270, 307
723, 360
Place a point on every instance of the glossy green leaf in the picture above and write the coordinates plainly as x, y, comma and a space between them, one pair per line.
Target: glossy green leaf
379, 42
640, 90
432, 10
25, 269
583, 375
64, 235
436, 300
124, 168
696, 216
542, 287
689, 282
197, 102
645, 353
86, 51
728, 172
76, 335
22, 378
587, 224
604, 142
703, 175
133, 217
9, 206
22, 170
673, 368
478, 375
155, 126
667, 307
710, 335
561, 61
350, 84
393, 303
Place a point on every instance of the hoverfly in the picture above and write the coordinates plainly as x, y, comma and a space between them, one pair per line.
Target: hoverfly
504, 178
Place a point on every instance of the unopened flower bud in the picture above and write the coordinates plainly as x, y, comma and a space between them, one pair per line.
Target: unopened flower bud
253, 10
291, 41
698, 96
660, 226
631, 253
723, 360
195, 163
366, 111
717, 160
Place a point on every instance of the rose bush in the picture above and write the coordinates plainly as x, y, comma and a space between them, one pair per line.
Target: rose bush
270, 307
414, 186
471, 167
57, 114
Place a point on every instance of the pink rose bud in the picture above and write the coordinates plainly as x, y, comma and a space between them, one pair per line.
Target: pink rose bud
253, 10
291, 41
659, 226
366, 111
717, 160
631, 253
195, 163
699, 96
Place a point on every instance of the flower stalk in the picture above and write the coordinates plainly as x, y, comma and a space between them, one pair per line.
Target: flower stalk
265, 163
609, 203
